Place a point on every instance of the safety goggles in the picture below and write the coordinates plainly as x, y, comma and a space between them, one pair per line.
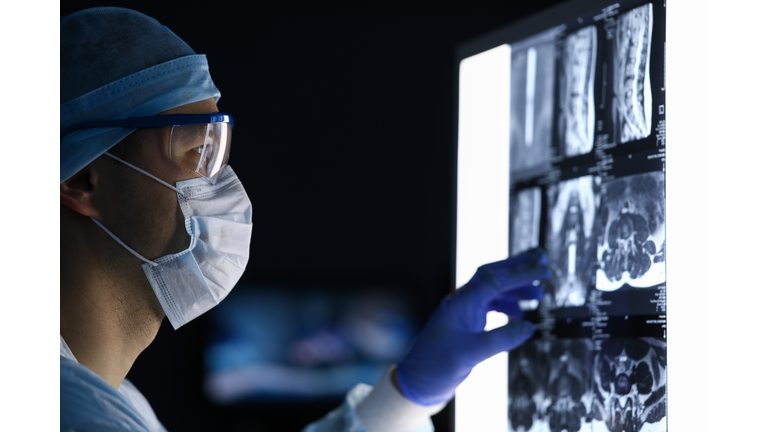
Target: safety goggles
199, 143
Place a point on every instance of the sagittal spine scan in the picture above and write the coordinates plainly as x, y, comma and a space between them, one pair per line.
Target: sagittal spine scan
572, 205
531, 101
577, 83
631, 232
573, 385
632, 84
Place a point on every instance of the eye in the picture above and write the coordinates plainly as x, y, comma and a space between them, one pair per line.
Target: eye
199, 149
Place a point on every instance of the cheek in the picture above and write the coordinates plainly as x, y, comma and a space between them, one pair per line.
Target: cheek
169, 227
154, 220
180, 236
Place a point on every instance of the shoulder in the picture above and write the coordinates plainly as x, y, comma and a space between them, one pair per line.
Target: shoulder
88, 403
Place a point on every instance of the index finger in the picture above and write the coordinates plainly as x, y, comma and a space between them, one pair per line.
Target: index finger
491, 282
532, 255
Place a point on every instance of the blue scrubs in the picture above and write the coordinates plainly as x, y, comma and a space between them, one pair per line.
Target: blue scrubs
88, 403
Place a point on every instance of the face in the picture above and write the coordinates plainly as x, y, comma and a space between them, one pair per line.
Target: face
139, 210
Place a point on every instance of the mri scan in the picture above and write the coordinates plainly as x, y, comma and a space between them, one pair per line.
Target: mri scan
631, 81
631, 239
572, 205
596, 202
531, 102
572, 385
576, 122
550, 386
527, 372
630, 382
526, 208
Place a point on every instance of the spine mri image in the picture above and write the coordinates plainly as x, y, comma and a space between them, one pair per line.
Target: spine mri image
576, 122
572, 205
531, 101
632, 104
526, 208
630, 384
631, 232
596, 202
571, 385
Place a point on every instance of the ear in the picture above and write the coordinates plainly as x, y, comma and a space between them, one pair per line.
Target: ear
77, 192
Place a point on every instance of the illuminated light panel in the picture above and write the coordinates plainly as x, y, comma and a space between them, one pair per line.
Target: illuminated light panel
482, 219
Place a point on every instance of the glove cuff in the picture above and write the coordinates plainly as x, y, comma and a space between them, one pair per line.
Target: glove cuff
386, 410
406, 378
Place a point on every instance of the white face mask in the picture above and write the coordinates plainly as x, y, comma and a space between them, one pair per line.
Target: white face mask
218, 217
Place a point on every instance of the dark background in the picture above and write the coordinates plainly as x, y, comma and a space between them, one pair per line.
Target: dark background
345, 144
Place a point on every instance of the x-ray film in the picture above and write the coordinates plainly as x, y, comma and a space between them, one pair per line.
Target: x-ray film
568, 368
630, 386
526, 208
632, 104
587, 160
572, 205
531, 102
551, 386
576, 385
527, 374
631, 232
576, 122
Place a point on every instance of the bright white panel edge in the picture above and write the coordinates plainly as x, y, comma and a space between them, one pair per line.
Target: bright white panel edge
483, 218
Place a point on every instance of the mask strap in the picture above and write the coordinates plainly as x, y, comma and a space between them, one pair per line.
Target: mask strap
143, 172
153, 264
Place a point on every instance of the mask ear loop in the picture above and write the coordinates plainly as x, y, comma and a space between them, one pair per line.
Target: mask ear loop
144, 172
179, 191
153, 264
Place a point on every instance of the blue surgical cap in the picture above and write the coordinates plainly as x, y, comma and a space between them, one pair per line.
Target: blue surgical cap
118, 63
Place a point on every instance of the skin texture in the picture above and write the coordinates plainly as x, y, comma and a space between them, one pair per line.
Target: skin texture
108, 311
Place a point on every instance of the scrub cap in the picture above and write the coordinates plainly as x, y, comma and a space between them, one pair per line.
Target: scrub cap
118, 63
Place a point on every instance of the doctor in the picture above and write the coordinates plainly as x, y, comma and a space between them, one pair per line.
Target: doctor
156, 224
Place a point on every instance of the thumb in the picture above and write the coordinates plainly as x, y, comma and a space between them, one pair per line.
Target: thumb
506, 338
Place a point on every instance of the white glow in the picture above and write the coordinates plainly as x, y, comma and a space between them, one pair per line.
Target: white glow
483, 217
687, 277
715, 102
221, 149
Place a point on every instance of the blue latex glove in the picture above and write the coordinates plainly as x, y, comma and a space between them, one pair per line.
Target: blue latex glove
453, 341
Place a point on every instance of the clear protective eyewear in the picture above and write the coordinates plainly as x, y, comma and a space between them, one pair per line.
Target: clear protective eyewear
199, 143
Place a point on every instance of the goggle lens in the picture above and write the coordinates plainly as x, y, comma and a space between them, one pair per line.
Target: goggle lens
202, 149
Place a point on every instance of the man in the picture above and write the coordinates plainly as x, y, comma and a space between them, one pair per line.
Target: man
155, 224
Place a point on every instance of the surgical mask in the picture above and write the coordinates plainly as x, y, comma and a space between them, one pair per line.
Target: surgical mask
218, 218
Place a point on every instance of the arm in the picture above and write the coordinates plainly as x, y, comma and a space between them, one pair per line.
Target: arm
382, 408
445, 351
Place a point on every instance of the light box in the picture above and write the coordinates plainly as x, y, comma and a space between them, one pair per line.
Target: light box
561, 132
